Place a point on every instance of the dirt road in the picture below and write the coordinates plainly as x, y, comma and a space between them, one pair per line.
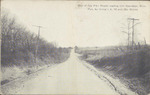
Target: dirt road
70, 77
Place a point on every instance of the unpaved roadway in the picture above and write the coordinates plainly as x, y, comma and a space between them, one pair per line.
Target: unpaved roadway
70, 77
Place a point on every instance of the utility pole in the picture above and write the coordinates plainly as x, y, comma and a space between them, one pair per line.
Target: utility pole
36, 50
12, 40
133, 21
128, 34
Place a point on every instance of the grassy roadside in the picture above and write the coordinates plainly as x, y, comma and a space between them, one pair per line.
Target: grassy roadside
132, 68
12, 72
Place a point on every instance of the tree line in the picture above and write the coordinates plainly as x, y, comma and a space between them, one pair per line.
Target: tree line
18, 44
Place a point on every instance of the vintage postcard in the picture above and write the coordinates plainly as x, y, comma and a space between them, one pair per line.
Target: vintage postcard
75, 47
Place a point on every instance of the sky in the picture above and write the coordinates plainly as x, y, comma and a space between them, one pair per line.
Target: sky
69, 25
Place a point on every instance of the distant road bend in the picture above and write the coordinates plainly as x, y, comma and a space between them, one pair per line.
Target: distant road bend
70, 77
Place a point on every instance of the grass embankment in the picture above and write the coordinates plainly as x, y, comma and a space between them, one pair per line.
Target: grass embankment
132, 68
18, 53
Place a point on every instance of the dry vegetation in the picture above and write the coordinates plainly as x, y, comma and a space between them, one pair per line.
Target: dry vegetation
131, 67
18, 46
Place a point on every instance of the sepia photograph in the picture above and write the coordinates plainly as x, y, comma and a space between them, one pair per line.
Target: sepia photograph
75, 47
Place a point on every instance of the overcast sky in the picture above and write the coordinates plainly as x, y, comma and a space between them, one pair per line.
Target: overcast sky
68, 25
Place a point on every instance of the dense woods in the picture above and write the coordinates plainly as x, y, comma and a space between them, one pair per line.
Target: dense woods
18, 45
